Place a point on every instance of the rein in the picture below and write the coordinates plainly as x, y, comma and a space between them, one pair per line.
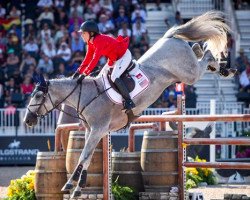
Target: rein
46, 92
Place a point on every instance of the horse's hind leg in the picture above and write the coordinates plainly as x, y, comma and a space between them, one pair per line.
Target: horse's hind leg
208, 60
209, 63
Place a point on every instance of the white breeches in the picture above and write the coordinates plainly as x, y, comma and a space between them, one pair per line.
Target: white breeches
121, 65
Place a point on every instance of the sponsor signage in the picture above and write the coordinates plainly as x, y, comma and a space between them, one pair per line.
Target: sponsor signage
22, 150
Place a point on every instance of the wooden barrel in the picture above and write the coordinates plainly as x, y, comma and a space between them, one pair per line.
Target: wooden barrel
127, 166
95, 171
159, 160
50, 175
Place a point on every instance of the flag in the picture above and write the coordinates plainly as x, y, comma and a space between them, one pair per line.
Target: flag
7, 23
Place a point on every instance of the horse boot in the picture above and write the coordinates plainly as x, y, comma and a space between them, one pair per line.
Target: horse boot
76, 174
81, 184
127, 103
197, 50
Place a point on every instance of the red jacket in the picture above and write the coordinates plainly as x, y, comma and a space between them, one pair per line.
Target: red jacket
103, 45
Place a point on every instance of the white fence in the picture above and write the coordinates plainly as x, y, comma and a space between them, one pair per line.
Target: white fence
11, 121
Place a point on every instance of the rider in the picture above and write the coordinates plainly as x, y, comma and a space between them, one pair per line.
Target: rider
115, 49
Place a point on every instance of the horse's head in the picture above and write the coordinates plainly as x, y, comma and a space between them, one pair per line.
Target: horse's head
39, 105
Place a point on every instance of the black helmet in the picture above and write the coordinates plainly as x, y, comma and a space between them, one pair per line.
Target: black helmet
89, 26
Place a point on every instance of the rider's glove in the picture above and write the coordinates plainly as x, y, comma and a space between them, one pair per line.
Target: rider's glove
76, 75
81, 77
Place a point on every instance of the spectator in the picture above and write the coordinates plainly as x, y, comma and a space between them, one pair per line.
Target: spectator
13, 43
89, 14
2, 11
138, 30
178, 19
76, 60
105, 24
106, 5
74, 20
139, 10
27, 86
45, 32
244, 78
124, 30
64, 52
122, 18
191, 96
61, 18
61, 71
2, 59
241, 61
59, 4
31, 47
60, 33
77, 7
3, 41
12, 62
14, 12
137, 17
95, 5
46, 17
2, 95
45, 3
16, 30
45, 65
76, 43
30, 31
49, 50
26, 62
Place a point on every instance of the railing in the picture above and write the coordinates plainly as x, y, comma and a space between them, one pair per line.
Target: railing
11, 121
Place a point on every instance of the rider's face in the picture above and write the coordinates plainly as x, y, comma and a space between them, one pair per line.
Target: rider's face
85, 36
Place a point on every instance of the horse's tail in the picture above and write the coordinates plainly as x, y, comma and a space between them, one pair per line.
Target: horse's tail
209, 27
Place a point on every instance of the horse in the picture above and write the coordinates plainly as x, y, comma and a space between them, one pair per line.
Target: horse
170, 60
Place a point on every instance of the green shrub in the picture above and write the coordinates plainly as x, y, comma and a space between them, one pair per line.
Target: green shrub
123, 192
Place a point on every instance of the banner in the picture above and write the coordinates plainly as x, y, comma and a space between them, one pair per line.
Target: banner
22, 150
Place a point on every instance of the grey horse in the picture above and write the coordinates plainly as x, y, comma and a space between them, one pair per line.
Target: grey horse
168, 61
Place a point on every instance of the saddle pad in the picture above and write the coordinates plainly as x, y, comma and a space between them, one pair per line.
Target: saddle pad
141, 83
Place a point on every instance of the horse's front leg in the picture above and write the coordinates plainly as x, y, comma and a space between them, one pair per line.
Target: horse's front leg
85, 159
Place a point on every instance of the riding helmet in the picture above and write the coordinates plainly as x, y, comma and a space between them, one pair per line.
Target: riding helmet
89, 26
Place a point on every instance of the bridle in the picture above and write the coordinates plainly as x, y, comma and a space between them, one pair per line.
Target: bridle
44, 88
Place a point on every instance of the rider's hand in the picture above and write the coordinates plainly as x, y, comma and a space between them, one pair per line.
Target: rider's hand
76, 75
81, 77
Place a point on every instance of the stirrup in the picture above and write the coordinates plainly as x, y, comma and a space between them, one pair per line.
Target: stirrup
128, 104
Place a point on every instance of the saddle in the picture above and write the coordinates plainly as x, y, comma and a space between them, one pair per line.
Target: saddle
126, 78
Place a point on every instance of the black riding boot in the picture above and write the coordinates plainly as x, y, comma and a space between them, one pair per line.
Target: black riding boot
128, 103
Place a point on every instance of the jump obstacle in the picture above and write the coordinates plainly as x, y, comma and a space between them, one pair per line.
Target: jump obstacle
177, 116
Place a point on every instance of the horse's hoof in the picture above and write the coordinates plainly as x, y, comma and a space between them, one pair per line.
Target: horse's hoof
76, 194
67, 187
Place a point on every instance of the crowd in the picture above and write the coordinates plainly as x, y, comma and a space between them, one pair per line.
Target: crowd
43, 37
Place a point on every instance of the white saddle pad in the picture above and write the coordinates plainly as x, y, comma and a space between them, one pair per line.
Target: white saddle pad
141, 83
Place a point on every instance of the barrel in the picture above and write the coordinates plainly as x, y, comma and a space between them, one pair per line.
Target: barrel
95, 171
50, 175
159, 161
127, 166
